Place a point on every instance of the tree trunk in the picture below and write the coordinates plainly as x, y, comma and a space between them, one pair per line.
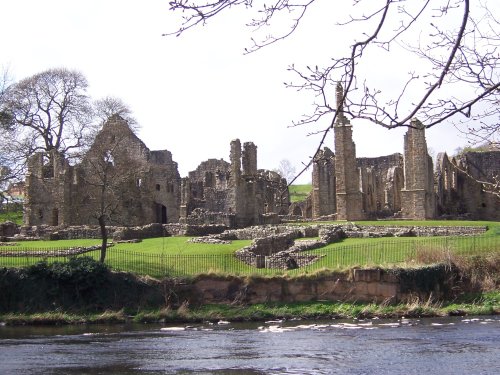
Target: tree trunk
104, 236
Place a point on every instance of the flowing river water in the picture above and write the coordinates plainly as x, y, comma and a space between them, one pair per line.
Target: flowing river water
406, 346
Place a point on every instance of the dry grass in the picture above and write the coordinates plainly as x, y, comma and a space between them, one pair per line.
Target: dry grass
481, 272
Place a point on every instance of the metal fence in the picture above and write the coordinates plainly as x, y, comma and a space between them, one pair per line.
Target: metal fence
334, 256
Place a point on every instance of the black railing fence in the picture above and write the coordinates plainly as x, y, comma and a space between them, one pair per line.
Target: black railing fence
335, 256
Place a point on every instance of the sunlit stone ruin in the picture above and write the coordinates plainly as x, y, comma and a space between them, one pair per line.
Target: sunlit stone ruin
120, 177
399, 186
144, 186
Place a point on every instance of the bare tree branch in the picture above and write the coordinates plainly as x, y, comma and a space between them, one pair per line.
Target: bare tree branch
451, 49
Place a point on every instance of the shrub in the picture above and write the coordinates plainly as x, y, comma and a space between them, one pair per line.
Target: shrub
80, 280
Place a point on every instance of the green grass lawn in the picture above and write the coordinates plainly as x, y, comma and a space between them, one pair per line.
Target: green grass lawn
299, 192
177, 256
15, 216
180, 246
399, 251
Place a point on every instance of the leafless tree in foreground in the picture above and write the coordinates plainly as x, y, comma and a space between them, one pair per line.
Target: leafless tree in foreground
112, 176
449, 48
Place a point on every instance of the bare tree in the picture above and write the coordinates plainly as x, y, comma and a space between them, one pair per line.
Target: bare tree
11, 157
102, 110
449, 49
47, 111
113, 177
108, 106
5, 82
51, 109
286, 170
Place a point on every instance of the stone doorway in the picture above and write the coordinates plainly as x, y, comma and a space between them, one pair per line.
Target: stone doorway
161, 214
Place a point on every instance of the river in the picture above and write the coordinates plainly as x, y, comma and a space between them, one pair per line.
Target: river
407, 346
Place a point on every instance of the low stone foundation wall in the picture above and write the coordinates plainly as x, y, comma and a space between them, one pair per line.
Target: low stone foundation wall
281, 251
360, 231
219, 231
52, 253
45, 232
8, 229
203, 217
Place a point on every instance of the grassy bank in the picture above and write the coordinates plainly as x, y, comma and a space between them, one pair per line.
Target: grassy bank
14, 215
176, 256
85, 291
477, 304
299, 192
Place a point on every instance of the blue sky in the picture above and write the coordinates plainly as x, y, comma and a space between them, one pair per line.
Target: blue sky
191, 94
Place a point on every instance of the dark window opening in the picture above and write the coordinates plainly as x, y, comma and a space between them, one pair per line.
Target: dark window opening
55, 217
158, 187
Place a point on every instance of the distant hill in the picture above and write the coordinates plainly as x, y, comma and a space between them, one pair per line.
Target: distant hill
299, 192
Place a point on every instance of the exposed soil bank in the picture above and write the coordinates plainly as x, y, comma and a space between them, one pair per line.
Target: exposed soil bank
87, 291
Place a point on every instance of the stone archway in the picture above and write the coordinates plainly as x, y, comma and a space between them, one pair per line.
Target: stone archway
297, 211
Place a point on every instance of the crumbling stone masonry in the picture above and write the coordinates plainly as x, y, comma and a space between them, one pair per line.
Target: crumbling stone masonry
347, 188
146, 183
323, 180
417, 195
348, 194
145, 187
459, 194
381, 180
236, 193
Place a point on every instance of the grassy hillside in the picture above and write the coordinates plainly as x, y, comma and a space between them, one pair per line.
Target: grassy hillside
299, 192
15, 216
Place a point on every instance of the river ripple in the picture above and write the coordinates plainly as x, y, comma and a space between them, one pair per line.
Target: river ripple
433, 346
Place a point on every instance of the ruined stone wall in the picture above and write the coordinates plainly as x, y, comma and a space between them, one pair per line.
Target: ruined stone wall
349, 199
323, 180
142, 186
250, 195
164, 182
418, 201
274, 189
207, 187
483, 166
214, 173
381, 184
49, 185
249, 159
459, 195
235, 203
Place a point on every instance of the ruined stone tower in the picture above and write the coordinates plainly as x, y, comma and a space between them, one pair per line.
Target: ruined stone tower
249, 159
349, 198
323, 181
417, 197
235, 203
236, 194
48, 195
